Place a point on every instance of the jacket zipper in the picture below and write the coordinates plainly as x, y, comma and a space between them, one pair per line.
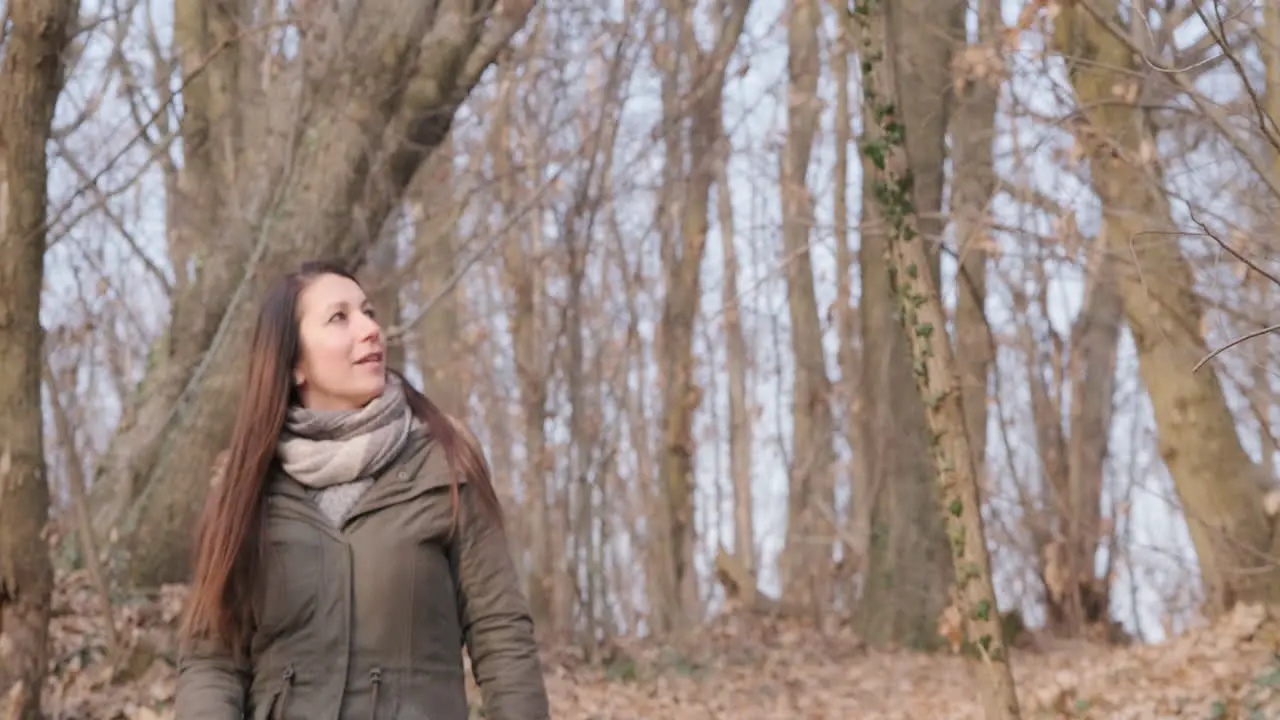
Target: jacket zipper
375, 677
286, 683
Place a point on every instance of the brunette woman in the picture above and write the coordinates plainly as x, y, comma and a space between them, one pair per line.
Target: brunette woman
354, 542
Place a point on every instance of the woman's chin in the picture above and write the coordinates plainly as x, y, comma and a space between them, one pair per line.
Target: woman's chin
372, 391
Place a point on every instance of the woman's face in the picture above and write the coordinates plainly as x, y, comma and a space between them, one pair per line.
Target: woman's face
341, 363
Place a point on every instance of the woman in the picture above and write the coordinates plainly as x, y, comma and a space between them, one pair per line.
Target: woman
354, 541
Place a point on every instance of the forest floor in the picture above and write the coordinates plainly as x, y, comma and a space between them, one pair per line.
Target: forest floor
744, 666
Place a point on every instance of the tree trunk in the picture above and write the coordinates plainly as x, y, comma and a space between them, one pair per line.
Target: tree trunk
738, 363
885, 144
685, 205
1085, 601
973, 184
404, 67
383, 264
1220, 487
683, 241
583, 443
30, 80
446, 375
588, 457
858, 516
640, 438
1068, 532
806, 558
207, 263
906, 584
523, 279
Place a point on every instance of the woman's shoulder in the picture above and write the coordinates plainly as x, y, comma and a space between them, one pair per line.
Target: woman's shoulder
426, 464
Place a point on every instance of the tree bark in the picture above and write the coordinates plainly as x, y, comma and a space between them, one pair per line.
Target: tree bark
30, 80
805, 563
381, 264
886, 143
845, 316
738, 363
973, 185
906, 585
441, 357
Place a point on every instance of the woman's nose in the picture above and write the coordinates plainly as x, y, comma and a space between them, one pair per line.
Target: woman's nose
368, 328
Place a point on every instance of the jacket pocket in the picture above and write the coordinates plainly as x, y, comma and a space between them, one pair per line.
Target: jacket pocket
438, 694
268, 710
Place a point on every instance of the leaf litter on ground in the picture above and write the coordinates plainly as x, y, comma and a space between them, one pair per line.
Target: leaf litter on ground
743, 666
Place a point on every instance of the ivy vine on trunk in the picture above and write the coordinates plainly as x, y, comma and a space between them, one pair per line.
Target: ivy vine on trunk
933, 361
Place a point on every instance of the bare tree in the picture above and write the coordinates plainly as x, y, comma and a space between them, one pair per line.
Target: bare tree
1220, 487
980, 73
738, 362
806, 562
845, 317
435, 209
30, 80
1068, 533
524, 276
692, 90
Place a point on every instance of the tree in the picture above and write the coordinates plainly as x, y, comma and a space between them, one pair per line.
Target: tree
972, 131
738, 366
850, 406
885, 143
806, 559
906, 587
692, 92
30, 80
1220, 487
308, 163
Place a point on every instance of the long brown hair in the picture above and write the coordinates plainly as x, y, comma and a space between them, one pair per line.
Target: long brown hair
228, 539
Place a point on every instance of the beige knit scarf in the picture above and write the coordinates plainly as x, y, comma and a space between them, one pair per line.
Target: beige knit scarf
324, 448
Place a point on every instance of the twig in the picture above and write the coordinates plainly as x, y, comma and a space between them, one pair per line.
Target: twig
397, 332
80, 507
1181, 82
1234, 253
1233, 343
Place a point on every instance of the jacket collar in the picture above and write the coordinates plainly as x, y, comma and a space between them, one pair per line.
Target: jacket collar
421, 467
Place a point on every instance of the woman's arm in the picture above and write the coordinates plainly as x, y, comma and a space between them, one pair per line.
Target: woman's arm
496, 623
211, 686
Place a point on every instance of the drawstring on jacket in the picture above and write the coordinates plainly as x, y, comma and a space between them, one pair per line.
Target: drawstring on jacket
285, 684
375, 677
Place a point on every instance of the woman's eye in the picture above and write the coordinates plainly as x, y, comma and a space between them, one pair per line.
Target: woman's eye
371, 313
338, 316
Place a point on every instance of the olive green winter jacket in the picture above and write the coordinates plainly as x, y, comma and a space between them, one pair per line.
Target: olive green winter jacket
368, 620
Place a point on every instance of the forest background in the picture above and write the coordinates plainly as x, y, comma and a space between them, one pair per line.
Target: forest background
650, 251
